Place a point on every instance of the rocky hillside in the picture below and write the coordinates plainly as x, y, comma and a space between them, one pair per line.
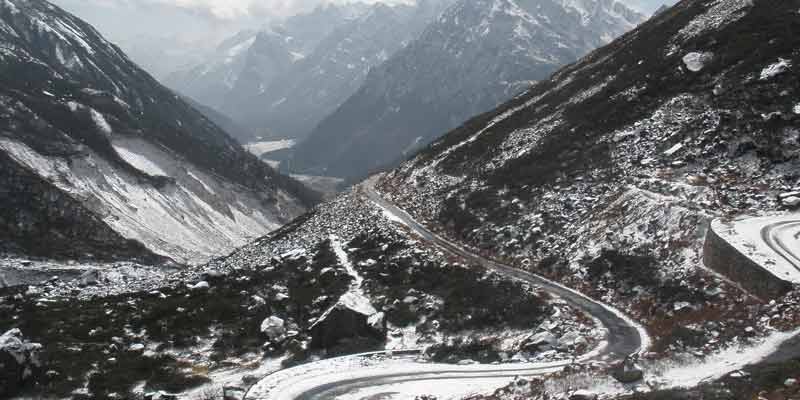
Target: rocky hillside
473, 57
342, 279
102, 162
606, 175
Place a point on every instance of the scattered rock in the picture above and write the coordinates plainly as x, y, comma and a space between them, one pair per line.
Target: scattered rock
696, 61
377, 321
775, 69
136, 348
19, 361
583, 395
89, 278
347, 321
200, 286
628, 371
274, 328
791, 201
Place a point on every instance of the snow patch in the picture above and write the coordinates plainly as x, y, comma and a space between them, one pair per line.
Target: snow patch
720, 364
696, 61
775, 69
390, 215
139, 161
100, 121
261, 148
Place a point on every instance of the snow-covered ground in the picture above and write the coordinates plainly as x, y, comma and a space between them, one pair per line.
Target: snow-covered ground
261, 148
767, 240
721, 363
323, 184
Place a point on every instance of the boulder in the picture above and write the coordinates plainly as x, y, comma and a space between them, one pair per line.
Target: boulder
628, 371
792, 201
274, 328
377, 321
161, 395
89, 278
200, 286
541, 341
583, 395
352, 319
19, 362
572, 339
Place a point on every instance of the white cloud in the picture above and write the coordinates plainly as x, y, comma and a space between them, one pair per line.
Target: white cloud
231, 9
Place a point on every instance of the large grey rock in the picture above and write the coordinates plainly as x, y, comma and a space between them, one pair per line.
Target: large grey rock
19, 362
628, 371
274, 328
583, 395
348, 321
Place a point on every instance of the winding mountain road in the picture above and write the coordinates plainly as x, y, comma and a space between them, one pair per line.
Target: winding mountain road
342, 377
778, 236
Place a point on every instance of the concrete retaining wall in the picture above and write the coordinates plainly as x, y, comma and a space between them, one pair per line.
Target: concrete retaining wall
721, 256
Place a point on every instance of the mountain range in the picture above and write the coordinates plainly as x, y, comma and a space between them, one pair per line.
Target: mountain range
474, 56
280, 81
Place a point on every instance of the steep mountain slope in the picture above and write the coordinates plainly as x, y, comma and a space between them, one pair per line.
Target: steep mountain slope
606, 175
107, 154
476, 55
316, 85
209, 82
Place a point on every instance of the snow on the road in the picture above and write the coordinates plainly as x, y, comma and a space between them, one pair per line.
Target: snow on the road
390, 215
745, 235
443, 389
288, 384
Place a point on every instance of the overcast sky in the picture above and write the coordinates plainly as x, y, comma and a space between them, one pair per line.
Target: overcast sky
222, 10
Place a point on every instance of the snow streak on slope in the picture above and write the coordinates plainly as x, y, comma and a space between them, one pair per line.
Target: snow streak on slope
191, 220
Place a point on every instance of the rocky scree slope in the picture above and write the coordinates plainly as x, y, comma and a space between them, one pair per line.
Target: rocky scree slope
96, 153
474, 56
606, 175
339, 280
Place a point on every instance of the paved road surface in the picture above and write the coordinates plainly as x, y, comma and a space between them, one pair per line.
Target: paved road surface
624, 337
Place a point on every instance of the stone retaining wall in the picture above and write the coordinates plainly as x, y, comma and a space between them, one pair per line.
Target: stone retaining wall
721, 256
